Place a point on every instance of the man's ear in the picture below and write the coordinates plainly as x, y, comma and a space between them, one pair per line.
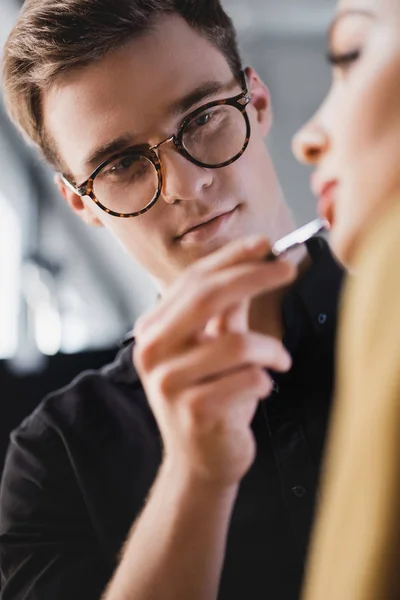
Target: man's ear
79, 205
260, 100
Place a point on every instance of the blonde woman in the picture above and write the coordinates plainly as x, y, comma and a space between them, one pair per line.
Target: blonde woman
354, 142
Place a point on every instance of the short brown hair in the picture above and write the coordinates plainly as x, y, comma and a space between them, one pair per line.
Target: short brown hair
52, 37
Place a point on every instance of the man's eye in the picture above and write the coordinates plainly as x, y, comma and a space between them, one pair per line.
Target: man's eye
126, 168
123, 164
208, 121
343, 60
203, 119
127, 163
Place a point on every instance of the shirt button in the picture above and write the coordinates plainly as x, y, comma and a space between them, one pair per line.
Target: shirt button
322, 318
299, 491
276, 388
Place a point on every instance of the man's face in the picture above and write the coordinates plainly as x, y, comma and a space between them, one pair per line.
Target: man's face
130, 94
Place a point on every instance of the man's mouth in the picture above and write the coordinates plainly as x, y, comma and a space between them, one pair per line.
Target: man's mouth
207, 227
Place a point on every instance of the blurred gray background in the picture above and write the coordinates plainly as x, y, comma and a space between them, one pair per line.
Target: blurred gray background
67, 289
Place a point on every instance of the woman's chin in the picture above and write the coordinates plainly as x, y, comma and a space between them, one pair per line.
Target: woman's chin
343, 243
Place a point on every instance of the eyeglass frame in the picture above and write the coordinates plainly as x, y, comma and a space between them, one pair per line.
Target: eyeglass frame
239, 101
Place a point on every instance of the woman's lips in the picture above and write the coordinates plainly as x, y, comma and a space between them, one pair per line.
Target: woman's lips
326, 209
325, 191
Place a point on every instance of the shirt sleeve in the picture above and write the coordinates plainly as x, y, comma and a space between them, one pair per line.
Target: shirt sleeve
48, 549
356, 543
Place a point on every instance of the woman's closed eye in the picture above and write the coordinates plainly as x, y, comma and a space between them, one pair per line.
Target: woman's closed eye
343, 59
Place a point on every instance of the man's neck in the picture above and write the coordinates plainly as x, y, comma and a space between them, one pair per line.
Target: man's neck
266, 310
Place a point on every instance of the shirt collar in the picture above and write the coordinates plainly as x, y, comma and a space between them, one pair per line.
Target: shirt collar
312, 303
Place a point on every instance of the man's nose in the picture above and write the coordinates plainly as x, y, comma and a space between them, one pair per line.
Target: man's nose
182, 179
310, 143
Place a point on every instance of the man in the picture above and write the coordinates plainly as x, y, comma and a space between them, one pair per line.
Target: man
170, 479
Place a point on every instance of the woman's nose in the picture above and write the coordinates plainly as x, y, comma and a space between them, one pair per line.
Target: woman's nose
310, 144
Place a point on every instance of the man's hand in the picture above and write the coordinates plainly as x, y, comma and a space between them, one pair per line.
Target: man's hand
203, 370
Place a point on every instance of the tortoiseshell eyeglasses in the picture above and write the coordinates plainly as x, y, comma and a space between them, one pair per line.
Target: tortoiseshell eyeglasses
213, 136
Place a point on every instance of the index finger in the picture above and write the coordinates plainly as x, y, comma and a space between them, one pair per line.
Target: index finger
236, 252
216, 293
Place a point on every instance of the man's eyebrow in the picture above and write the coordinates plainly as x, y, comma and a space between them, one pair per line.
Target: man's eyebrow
101, 153
349, 13
202, 92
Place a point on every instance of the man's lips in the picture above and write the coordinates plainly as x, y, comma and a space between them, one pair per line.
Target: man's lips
205, 222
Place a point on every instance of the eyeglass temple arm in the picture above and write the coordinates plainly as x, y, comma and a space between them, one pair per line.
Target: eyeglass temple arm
245, 82
70, 185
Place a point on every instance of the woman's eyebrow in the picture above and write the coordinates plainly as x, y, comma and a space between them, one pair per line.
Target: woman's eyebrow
349, 13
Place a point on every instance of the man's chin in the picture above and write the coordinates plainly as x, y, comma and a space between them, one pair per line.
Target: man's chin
190, 253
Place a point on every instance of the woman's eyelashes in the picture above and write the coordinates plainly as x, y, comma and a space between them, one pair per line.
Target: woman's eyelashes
343, 59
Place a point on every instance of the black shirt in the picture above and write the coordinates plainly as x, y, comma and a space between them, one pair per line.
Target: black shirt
79, 469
